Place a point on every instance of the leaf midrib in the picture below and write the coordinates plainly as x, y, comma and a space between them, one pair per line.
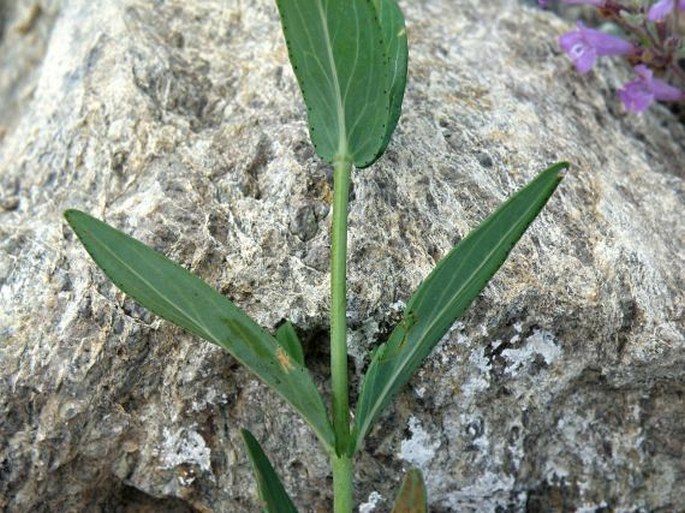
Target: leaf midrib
197, 322
202, 327
342, 152
386, 390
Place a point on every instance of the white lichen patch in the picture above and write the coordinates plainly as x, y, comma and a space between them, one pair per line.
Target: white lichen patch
592, 508
479, 373
541, 343
419, 449
369, 506
184, 447
516, 451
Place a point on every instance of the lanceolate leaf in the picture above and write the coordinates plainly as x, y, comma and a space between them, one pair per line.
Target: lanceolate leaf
339, 56
173, 293
271, 491
412, 495
446, 293
395, 38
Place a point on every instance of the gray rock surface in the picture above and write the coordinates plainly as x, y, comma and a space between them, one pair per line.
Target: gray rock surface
180, 122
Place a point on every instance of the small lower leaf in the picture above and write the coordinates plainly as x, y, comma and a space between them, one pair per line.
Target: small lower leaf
288, 339
412, 497
271, 491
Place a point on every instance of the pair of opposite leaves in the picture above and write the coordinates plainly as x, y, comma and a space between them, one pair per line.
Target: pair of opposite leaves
173, 293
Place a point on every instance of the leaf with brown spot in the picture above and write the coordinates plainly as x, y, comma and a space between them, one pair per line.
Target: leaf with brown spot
412, 496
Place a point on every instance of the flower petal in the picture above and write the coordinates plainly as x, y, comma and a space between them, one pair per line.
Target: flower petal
606, 44
666, 92
582, 54
660, 10
636, 96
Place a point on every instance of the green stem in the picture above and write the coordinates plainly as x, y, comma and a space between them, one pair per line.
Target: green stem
341, 410
340, 462
342, 484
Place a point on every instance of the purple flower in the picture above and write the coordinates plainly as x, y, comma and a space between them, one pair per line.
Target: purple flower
584, 45
638, 94
663, 8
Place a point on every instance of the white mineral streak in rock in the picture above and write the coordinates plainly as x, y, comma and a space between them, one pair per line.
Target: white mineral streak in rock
211, 398
184, 447
490, 489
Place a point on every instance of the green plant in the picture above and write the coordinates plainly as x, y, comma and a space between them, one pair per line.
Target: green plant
350, 59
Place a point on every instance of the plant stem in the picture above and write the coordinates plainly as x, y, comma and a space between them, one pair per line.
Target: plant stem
342, 484
341, 415
341, 463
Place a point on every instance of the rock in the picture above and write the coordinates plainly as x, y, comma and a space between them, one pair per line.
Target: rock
181, 124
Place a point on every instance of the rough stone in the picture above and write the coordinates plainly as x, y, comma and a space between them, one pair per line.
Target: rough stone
562, 389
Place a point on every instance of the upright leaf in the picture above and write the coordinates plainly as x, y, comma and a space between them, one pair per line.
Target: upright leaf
412, 497
173, 293
339, 56
271, 491
395, 39
288, 339
446, 293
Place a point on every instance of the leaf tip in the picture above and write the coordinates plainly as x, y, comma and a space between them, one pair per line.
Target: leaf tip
412, 497
248, 438
562, 169
69, 214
